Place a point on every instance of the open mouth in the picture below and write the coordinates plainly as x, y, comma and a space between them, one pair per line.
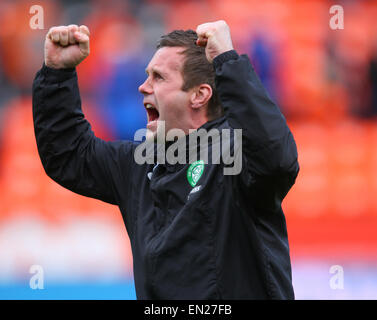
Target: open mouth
152, 114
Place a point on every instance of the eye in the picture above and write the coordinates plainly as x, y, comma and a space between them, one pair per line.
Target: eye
157, 76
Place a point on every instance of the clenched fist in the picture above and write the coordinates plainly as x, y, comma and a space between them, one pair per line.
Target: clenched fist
215, 37
66, 46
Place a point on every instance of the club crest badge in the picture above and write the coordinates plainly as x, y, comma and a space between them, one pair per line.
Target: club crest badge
194, 172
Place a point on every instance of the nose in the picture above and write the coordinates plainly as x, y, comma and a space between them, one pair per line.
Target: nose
145, 88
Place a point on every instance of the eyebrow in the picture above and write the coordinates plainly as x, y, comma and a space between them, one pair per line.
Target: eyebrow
154, 70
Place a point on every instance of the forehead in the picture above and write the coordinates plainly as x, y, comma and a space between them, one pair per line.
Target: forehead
167, 59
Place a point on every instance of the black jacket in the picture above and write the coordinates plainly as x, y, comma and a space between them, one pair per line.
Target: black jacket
226, 241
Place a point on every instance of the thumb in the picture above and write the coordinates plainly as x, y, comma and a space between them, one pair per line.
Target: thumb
83, 41
201, 42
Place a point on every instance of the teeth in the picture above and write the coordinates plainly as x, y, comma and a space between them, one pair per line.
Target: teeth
148, 106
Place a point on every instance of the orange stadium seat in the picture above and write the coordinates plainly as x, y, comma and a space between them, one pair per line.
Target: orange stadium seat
333, 203
24, 186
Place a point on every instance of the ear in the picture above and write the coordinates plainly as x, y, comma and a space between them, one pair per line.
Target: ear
200, 96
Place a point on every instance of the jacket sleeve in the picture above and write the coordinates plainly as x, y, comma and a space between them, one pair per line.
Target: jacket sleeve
269, 151
70, 153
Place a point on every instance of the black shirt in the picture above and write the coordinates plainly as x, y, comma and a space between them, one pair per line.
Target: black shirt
226, 240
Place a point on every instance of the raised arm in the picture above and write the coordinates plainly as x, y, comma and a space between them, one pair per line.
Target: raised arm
269, 150
70, 153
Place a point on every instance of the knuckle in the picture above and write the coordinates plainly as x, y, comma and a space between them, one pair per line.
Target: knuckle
85, 29
54, 30
221, 24
201, 28
72, 28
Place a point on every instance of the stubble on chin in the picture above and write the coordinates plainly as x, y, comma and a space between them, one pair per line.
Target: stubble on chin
158, 134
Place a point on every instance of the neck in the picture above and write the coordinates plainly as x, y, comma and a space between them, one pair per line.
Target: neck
197, 119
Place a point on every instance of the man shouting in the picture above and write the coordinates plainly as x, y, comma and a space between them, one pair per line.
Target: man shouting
195, 232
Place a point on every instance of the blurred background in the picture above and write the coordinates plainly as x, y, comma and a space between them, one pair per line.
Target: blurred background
324, 80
